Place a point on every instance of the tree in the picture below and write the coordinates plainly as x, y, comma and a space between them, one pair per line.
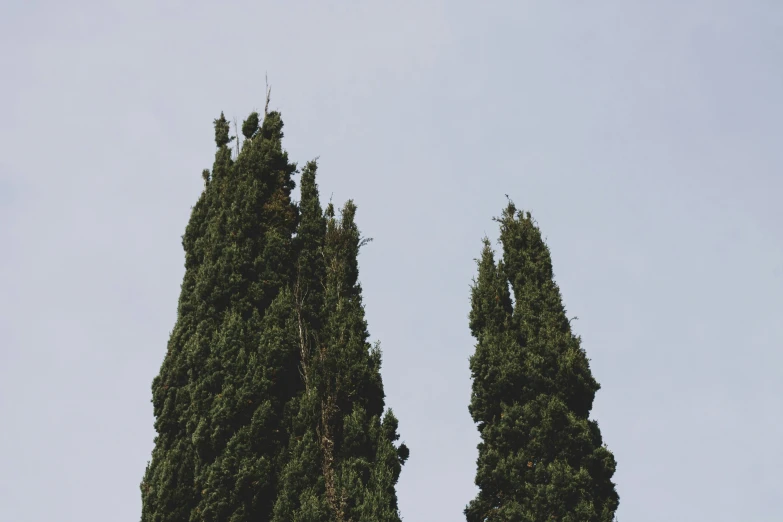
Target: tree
344, 464
540, 458
269, 402
220, 397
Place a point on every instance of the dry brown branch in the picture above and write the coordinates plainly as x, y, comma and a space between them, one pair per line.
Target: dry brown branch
268, 94
236, 131
304, 348
327, 446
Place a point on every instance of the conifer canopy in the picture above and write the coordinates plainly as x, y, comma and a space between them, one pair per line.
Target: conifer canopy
269, 404
540, 458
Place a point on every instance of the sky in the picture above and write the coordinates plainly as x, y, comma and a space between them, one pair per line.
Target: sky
645, 138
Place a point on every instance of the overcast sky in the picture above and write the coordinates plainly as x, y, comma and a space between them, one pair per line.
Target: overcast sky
644, 136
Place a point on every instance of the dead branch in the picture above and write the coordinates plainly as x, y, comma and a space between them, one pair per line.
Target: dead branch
268, 94
304, 348
236, 131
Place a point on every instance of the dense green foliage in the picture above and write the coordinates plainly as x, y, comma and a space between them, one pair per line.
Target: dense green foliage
344, 464
540, 457
269, 403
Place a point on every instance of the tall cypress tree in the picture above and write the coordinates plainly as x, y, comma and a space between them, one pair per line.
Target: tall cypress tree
343, 463
540, 458
220, 397
269, 403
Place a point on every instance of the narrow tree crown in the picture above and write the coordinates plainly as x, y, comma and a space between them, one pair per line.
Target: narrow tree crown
540, 457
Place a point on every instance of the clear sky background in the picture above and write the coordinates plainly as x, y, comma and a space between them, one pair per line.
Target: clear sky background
644, 136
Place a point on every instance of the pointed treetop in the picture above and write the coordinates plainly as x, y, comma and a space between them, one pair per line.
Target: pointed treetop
221, 131
490, 297
310, 204
309, 187
509, 213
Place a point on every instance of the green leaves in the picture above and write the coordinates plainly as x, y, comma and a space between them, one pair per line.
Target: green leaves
221, 131
269, 404
540, 457
222, 392
250, 125
340, 430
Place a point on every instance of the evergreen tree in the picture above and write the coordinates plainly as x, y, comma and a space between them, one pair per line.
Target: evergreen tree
540, 457
220, 397
344, 464
269, 403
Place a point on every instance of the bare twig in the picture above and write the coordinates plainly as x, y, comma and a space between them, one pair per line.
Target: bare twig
268, 94
236, 131
304, 348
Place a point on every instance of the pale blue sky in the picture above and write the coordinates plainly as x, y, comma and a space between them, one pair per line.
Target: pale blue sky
644, 136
